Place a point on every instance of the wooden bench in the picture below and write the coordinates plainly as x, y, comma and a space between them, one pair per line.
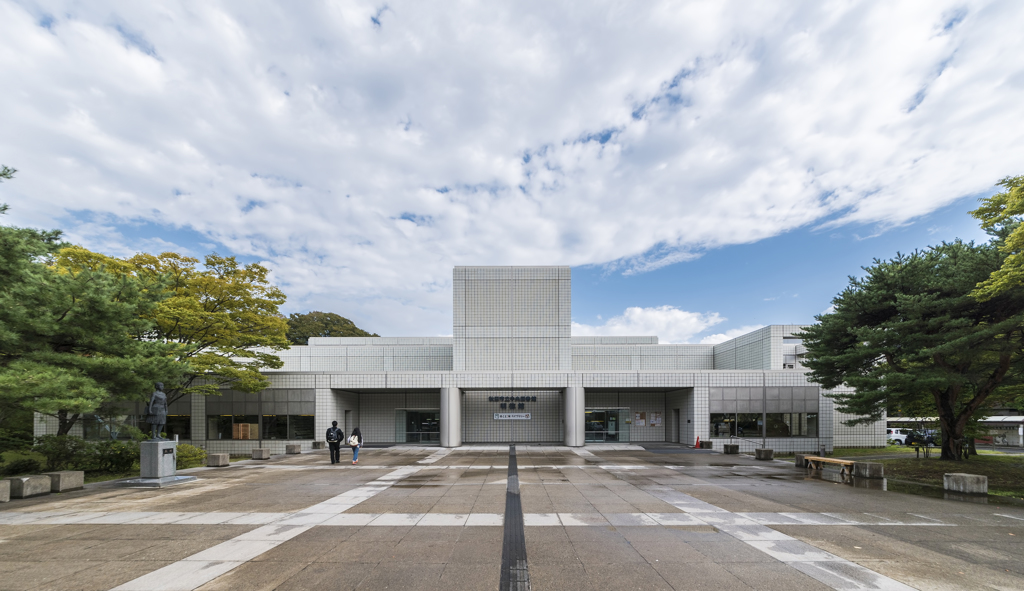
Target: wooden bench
816, 463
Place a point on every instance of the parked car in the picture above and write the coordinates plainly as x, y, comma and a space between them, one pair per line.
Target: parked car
897, 436
921, 438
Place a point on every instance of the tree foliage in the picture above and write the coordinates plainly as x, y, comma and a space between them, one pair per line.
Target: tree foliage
910, 335
70, 340
1001, 214
223, 314
321, 324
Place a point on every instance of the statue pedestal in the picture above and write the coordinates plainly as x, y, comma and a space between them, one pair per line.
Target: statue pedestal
158, 464
159, 459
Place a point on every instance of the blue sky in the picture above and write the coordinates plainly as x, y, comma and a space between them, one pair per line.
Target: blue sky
787, 279
704, 167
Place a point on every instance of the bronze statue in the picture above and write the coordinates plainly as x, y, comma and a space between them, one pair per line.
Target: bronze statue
157, 411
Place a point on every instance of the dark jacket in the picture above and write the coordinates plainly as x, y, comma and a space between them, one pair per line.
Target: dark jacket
335, 435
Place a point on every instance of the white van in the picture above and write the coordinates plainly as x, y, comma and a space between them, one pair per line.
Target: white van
897, 436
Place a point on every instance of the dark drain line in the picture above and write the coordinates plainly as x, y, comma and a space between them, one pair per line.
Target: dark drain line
515, 576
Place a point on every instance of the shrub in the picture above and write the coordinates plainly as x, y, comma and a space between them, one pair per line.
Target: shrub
190, 456
22, 466
63, 452
115, 456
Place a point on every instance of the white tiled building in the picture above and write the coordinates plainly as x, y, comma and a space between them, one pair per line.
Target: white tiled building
512, 372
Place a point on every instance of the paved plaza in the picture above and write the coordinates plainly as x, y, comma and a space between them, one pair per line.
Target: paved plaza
429, 518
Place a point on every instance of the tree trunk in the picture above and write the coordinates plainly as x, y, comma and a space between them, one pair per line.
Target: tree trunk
65, 422
972, 448
950, 448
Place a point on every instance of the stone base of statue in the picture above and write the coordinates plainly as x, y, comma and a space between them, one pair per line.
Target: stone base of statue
159, 466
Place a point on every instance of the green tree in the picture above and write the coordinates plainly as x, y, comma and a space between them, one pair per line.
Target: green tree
910, 332
1001, 214
321, 324
223, 314
71, 340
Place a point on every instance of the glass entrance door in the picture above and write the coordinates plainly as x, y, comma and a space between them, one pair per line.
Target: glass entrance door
607, 425
418, 426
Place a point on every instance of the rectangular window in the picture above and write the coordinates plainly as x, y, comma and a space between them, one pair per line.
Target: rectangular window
218, 427
275, 414
101, 427
300, 426
180, 425
796, 424
723, 425
275, 427
748, 424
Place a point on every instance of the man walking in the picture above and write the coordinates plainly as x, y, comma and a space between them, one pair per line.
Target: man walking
334, 438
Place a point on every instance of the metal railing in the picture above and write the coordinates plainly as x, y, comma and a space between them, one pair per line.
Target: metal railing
761, 445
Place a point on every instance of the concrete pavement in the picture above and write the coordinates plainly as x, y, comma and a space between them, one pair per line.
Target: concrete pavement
612, 518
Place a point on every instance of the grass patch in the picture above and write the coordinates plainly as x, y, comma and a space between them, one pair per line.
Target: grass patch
1005, 473
91, 477
851, 452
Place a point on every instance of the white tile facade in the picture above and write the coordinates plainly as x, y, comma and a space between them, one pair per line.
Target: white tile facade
511, 338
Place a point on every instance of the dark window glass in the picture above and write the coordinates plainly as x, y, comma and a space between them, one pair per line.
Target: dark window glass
723, 425
748, 424
97, 427
245, 427
218, 426
795, 424
778, 425
275, 426
300, 427
180, 425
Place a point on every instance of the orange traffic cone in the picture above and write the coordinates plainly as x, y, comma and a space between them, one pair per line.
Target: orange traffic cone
697, 445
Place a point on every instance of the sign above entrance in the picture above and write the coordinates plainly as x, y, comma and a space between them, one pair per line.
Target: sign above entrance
512, 416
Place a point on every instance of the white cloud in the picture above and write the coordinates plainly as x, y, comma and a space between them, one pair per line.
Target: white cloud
364, 159
668, 323
714, 339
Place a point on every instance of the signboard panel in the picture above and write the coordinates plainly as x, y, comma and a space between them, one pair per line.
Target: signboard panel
512, 416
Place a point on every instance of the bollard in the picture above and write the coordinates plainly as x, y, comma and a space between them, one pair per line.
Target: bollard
731, 448
293, 448
800, 461
763, 454
261, 453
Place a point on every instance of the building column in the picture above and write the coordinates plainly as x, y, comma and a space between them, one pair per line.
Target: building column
575, 418
451, 417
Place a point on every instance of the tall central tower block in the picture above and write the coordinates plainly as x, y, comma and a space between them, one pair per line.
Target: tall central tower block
512, 319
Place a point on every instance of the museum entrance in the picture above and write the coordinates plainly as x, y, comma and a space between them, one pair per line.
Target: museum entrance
418, 426
607, 425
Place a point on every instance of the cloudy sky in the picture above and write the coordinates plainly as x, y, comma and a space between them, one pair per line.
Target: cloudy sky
705, 167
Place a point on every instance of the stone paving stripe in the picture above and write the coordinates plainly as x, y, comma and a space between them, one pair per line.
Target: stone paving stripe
825, 567
444, 519
515, 573
180, 576
205, 566
485, 519
582, 519
437, 455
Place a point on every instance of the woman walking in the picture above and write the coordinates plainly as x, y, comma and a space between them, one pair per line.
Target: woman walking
355, 441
